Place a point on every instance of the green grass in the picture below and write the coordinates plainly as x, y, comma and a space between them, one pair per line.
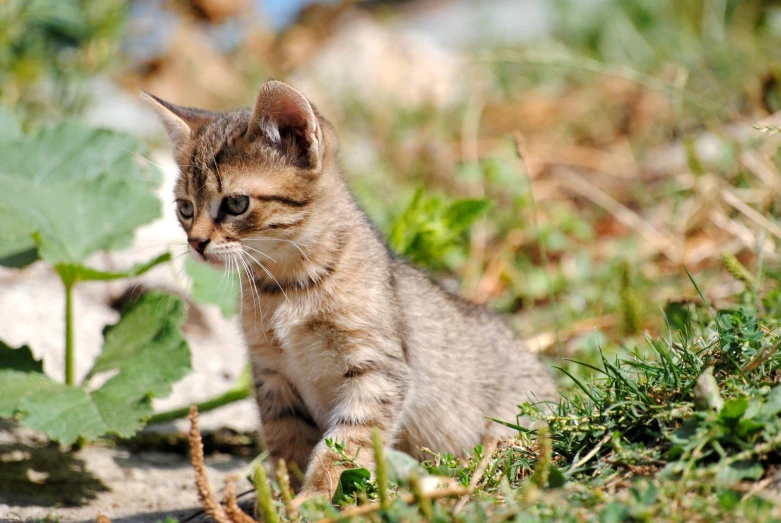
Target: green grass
684, 428
644, 430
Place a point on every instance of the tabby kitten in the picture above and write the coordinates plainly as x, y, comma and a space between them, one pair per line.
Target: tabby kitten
344, 337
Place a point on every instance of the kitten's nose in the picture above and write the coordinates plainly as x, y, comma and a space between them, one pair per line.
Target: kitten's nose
199, 244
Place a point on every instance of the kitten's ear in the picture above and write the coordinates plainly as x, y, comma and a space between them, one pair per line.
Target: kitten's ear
284, 117
180, 122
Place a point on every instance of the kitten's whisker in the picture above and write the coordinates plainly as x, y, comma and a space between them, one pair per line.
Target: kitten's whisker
268, 238
268, 272
259, 252
143, 158
254, 289
141, 178
241, 293
222, 280
295, 244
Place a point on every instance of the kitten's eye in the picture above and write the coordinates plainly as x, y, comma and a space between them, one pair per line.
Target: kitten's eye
235, 204
185, 208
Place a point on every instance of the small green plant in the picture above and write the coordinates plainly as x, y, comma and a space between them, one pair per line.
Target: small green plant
431, 229
70, 191
51, 47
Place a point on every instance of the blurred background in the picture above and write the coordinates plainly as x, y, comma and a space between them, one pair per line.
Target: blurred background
560, 160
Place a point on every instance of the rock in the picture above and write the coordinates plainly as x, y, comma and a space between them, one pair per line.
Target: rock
376, 65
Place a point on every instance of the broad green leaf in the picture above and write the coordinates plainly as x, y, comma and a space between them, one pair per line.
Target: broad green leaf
73, 191
213, 287
9, 125
20, 256
64, 413
71, 152
150, 353
16, 237
16, 386
75, 220
20, 359
145, 347
350, 482
73, 273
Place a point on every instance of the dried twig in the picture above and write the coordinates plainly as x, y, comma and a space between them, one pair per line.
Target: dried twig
623, 214
749, 212
362, 510
543, 341
209, 503
742, 233
489, 445
232, 506
102, 518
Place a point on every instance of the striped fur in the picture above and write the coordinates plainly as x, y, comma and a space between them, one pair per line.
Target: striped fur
344, 337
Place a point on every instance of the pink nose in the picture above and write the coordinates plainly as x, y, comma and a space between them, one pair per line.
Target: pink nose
199, 244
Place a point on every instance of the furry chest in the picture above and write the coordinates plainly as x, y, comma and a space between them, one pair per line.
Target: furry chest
310, 359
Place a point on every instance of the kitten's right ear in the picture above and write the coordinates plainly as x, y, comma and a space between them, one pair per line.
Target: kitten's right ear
180, 122
285, 118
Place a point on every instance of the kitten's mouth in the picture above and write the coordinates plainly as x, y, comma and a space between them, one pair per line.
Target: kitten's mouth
216, 261
217, 258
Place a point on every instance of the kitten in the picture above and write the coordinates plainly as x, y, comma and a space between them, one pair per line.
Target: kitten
344, 337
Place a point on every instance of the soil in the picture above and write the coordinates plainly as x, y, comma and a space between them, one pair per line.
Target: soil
148, 480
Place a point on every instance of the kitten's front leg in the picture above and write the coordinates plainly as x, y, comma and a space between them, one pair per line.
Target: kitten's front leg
289, 432
370, 398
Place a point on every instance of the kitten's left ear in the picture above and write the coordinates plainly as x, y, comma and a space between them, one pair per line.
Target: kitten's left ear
285, 118
180, 122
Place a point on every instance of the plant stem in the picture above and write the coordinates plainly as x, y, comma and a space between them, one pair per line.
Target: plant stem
381, 471
70, 353
265, 504
235, 394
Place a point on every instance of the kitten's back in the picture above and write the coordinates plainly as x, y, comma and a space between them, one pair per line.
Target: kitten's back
467, 366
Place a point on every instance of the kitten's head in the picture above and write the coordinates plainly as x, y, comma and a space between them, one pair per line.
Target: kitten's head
250, 178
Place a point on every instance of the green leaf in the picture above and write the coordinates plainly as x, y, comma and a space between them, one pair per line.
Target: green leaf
213, 287
145, 348
463, 213
9, 125
17, 246
19, 257
555, 477
20, 359
75, 220
431, 229
150, 353
72, 152
734, 409
350, 482
64, 413
91, 190
731, 474
772, 405
400, 465
72, 273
